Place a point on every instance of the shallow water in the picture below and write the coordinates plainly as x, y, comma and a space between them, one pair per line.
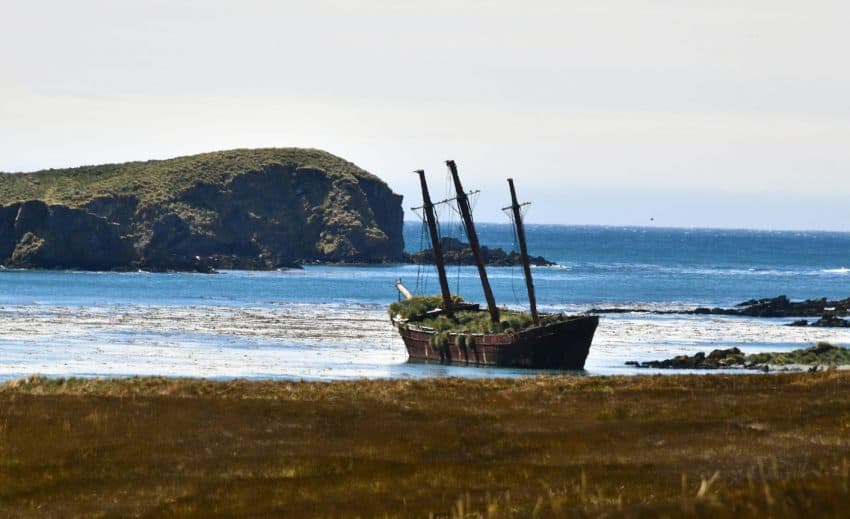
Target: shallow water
330, 323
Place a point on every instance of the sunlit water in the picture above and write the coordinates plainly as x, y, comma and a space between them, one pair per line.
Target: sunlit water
330, 323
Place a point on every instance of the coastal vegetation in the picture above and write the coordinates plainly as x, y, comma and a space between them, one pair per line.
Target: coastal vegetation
260, 208
822, 354
554, 446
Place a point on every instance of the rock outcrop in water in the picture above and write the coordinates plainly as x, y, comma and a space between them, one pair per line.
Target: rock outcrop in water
779, 306
827, 321
455, 252
821, 354
250, 209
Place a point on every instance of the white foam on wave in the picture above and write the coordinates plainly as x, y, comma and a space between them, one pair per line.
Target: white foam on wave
842, 270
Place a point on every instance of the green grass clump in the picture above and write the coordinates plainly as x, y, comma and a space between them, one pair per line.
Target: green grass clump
418, 306
466, 320
823, 353
480, 322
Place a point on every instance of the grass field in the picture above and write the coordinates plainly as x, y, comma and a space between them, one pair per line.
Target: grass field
713, 445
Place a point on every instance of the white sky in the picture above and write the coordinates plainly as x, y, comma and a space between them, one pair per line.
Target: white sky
715, 114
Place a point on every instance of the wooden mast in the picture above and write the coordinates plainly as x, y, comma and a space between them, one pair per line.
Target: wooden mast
523, 251
466, 214
428, 208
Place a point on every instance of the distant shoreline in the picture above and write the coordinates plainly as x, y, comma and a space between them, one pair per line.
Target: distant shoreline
655, 227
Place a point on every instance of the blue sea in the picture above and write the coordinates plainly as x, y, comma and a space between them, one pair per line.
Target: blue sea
330, 322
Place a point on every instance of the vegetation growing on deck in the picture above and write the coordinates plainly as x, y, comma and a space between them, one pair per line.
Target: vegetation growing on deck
463, 324
416, 307
478, 322
465, 320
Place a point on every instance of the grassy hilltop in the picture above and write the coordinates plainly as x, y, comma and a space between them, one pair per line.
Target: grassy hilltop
159, 181
260, 208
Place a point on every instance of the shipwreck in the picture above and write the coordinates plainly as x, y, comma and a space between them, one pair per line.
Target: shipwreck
446, 329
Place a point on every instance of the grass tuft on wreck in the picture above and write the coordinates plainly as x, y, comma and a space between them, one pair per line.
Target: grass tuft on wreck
470, 321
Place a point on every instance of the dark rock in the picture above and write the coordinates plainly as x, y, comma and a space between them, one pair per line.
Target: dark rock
779, 306
823, 347
455, 252
799, 322
831, 321
118, 209
731, 357
719, 355
822, 354
619, 310
43, 236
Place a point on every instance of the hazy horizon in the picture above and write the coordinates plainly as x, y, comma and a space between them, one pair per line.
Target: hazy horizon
640, 113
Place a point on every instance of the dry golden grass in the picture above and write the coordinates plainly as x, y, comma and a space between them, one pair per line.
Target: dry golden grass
713, 445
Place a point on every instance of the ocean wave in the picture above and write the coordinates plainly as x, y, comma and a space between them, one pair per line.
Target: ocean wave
557, 266
691, 270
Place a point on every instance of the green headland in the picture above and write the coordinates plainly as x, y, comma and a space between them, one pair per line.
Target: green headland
246, 208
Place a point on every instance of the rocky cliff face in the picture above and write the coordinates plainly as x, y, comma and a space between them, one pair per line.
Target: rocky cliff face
35, 235
273, 214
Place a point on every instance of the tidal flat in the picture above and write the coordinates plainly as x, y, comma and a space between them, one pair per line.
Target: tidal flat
553, 446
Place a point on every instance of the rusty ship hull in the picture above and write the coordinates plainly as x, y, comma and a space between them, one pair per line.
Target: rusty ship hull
563, 345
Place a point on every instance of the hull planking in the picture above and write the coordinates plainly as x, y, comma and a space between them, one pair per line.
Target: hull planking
563, 345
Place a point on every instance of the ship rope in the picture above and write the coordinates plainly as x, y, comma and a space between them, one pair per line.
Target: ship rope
421, 283
424, 272
515, 246
455, 226
473, 201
